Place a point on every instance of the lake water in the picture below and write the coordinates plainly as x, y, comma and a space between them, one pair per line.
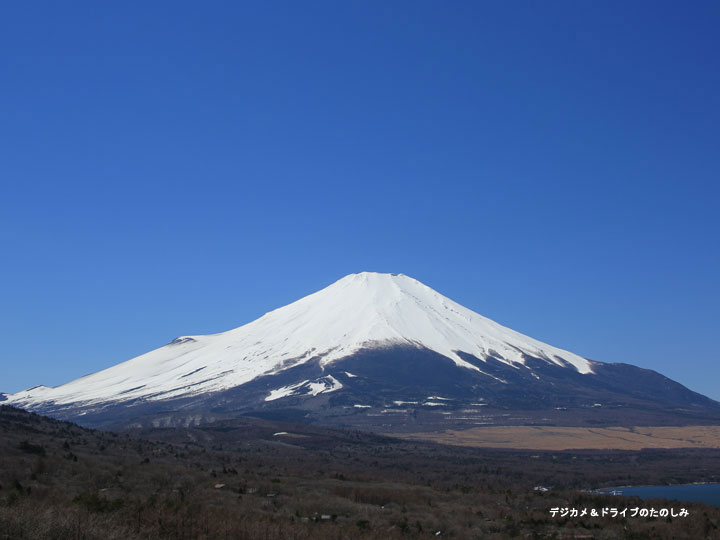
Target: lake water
707, 493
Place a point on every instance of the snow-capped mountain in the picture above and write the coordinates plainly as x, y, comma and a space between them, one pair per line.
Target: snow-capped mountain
367, 342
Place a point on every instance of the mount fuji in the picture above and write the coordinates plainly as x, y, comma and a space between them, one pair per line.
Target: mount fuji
378, 351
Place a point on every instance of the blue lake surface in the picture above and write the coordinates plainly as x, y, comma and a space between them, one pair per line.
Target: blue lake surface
707, 493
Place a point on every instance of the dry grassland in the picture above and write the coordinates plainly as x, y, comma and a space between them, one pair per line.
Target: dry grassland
577, 438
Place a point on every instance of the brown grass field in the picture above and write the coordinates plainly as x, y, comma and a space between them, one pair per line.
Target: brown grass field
576, 438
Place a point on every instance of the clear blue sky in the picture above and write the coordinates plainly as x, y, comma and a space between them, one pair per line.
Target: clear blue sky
175, 168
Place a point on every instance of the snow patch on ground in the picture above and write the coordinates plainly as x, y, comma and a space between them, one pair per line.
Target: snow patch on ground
284, 391
322, 385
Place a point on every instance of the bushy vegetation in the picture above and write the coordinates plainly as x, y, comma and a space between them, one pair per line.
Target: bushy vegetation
248, 480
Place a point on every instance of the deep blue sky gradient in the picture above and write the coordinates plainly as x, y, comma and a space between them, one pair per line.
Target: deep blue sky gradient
173, 168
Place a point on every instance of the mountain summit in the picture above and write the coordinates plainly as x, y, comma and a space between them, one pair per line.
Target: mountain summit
369, 341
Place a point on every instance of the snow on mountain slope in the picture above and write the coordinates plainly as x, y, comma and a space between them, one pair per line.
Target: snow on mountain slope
359, 311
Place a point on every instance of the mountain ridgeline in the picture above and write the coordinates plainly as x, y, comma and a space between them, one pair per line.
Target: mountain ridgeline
377, 351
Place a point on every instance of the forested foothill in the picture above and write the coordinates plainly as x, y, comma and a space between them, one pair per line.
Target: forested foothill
255, 479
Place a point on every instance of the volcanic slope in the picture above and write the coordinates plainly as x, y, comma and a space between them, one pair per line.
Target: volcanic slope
372, 350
